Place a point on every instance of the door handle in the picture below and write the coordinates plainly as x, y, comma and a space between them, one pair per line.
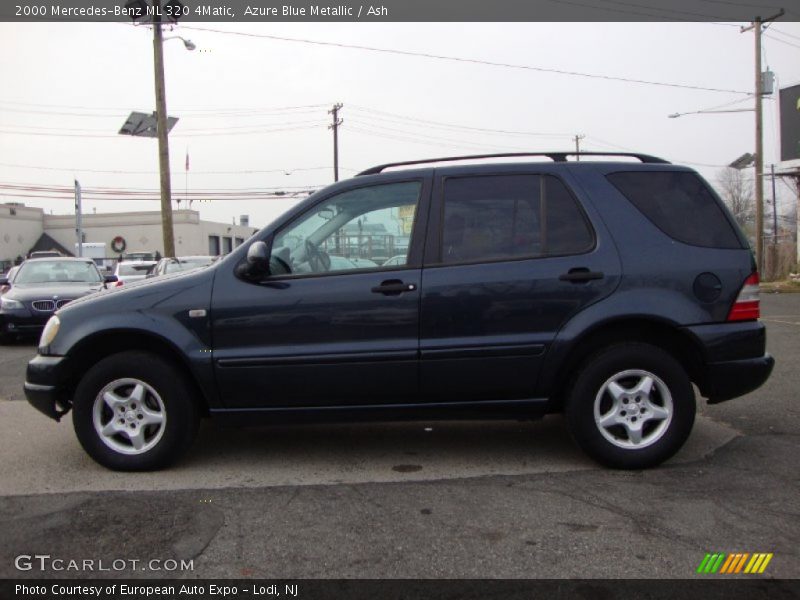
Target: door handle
393, 287
580, 275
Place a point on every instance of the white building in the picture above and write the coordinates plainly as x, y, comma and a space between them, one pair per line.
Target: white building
24, 228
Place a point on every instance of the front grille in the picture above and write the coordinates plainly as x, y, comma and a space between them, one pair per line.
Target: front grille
44, 305
61, 303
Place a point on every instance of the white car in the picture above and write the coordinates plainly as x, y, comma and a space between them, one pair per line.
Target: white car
395, 261
181, 263
130, 271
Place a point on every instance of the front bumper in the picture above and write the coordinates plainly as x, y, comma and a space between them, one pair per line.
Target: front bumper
22, 323
45, 386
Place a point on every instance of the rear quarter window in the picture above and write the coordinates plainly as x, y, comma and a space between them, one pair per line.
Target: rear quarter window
680, 204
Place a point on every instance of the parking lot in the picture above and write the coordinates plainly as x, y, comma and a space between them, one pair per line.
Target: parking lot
426, 500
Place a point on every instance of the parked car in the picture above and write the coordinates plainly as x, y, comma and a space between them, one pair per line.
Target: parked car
129, 272
45, 254
340, 263
598, 289
139, 256
396, 261
9, 279
40, 287
181, 263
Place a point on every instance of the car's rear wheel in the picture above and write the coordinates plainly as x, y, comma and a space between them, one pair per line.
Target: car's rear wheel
134, 411
631, 406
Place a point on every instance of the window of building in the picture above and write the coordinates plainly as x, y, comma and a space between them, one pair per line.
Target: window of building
227, 245
213, 245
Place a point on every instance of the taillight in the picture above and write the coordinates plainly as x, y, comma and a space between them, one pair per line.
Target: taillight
746, 307
119, 283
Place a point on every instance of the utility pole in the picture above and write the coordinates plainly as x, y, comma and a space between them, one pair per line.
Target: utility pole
163, 143
757, 26
335, 126
78, 218
578, 139
774, 226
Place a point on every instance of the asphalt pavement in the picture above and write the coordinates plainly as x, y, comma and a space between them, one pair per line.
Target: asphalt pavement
414, 500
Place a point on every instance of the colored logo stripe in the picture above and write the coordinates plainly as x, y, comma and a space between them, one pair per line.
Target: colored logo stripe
738, 562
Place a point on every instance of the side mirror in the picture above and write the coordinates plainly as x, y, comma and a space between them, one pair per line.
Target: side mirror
257, 264
109, 278
3, 280
258, 255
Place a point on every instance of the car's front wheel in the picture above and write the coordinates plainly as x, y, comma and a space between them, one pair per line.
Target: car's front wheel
631, 406
134, 411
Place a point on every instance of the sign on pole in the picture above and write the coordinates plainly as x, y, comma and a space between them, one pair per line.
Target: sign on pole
790, 123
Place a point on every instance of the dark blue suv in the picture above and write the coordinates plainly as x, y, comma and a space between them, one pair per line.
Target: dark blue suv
601, 289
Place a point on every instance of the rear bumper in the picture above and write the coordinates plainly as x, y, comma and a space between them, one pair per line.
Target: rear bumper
45, 386
731, 379
735, 361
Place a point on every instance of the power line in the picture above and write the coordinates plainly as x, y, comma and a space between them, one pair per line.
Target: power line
465, 60
613, 10
399, 138
627, 149
668, 10
772, 37
733, 3
198, 111
781, 32
122, 172
416, 136
396, 118
58, 132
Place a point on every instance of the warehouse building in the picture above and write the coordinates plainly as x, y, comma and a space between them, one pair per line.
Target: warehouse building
24, 229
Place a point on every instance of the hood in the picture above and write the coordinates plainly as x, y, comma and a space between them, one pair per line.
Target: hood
25, 292
144, 293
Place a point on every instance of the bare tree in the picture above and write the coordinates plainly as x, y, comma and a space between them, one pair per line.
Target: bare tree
738, 193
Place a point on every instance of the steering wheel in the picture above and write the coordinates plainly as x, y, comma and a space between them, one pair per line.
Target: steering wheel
318, 260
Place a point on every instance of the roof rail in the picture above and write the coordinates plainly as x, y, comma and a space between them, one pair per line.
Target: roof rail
554, 156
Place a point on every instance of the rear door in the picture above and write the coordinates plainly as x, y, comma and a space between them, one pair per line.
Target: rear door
511, 256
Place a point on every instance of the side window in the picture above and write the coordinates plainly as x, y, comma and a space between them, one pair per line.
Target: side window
680, 204
511, 216
365, 228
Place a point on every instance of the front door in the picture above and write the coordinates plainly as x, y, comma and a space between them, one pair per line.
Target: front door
337, 320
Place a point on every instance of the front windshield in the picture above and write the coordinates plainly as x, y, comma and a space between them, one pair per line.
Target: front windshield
57, 271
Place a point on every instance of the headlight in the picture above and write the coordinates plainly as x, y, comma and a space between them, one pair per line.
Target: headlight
50, 332
9, 304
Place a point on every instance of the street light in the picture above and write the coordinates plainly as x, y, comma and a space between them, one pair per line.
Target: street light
189, 44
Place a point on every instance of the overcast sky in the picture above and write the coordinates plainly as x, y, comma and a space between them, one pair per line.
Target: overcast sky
67, 89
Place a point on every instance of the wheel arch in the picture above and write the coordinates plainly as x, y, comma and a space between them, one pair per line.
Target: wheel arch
105, 343
649, 330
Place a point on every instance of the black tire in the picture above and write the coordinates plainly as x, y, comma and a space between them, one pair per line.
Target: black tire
620, 406
169, 395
